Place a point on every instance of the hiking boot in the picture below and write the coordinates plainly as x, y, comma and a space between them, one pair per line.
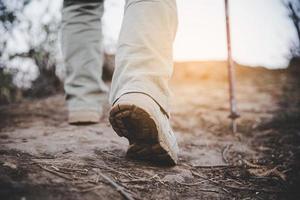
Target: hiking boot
140, 119
83, 117
89, 114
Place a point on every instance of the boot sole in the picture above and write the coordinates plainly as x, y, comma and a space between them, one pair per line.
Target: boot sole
135, 124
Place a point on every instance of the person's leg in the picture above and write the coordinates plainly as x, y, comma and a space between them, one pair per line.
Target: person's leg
82, 50
140, 92
144, 55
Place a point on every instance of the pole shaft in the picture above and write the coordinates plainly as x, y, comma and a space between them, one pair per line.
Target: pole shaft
231, 70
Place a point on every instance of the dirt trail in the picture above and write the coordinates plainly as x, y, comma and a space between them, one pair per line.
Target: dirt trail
42, 157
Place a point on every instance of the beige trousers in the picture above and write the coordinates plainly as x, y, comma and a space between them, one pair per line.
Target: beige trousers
143, 57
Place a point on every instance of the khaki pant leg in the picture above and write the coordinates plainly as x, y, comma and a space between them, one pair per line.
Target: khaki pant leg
144, 61
83, 55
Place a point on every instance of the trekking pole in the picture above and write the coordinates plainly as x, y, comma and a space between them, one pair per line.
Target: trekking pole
231, 75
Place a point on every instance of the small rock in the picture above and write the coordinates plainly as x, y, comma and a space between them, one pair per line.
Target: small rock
173, 178
184, 173
10, 165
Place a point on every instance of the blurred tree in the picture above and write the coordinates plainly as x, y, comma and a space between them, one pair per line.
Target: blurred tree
39, 36
8, 91
8, 20
293, 7
294, 15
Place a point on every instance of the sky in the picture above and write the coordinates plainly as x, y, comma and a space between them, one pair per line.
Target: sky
261, 31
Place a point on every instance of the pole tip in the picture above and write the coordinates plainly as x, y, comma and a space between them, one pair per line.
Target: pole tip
234, 126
